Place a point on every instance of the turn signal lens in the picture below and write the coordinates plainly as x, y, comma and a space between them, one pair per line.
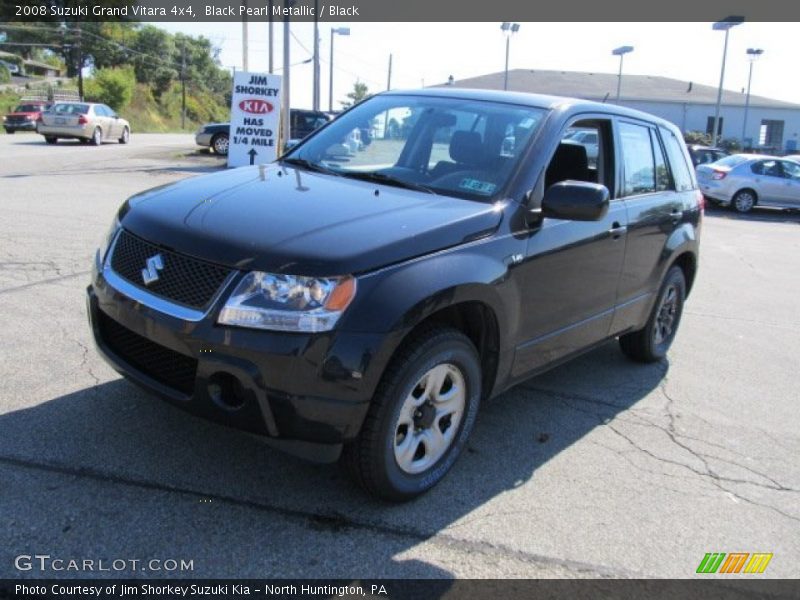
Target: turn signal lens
342, 294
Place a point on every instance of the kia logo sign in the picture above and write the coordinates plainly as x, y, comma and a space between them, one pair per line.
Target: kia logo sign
256, 107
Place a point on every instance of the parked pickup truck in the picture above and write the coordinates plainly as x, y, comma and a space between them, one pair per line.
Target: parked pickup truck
25, 116
361, 305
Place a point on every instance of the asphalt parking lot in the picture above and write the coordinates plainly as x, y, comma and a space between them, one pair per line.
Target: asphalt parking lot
598, 468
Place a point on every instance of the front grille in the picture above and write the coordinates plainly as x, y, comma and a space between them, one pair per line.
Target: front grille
17, 121
183, 279
166, 366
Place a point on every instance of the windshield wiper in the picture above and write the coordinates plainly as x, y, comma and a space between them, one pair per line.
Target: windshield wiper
309, 165
388, 180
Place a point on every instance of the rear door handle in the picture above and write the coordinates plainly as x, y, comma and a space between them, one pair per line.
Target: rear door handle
617, 230
676, 215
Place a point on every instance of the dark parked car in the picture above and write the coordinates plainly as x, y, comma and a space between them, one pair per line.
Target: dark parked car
703, 155
364, 303
25, 116
303, 122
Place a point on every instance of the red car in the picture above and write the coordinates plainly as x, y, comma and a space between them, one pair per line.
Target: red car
24, 116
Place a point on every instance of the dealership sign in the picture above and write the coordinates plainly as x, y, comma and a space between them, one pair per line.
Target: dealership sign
255, 119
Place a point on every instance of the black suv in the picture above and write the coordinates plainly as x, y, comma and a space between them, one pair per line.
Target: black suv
362, 302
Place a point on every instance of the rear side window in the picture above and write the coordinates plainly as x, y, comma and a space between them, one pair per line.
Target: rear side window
663, 180
637, 158
681, 174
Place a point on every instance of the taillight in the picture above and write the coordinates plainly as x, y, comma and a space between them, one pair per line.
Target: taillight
82, 120
701, 201
719, 175
39, 118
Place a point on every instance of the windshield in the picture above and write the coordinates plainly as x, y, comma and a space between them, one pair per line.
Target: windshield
458, 147
22, 108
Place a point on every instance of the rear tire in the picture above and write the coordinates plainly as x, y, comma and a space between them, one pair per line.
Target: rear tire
651, 343
126, 136
420, 417
220, 144
50, 139
744, 201
97, 137
11, 131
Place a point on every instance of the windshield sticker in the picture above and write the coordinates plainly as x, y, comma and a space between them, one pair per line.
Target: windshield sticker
476, 185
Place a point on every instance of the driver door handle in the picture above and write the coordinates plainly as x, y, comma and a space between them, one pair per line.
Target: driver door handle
617, 230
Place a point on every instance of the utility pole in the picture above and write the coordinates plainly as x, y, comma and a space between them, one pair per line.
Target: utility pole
80, 62
244, 39
389, 78
183, 85
285, 120
271, 34
316, 56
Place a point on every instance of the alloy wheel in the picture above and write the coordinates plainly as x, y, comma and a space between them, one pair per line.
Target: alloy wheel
667, 314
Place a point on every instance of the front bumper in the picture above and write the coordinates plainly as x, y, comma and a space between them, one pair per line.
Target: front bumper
307, 393
26, 125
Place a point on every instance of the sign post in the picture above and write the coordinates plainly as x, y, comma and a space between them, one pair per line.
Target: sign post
255, 119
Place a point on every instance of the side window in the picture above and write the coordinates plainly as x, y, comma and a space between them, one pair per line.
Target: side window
585, 153
663, 180
677, 161
770, 168
792, 170
637, 158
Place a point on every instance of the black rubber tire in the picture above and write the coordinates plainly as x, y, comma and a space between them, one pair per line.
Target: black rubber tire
370, 459
126, 136
11, 131
50, 139
640, 345
97, 140
214, 142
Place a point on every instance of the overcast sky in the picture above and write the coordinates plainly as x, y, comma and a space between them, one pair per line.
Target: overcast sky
427, 53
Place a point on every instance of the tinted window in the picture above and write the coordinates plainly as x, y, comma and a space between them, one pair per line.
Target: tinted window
770, 168
637, 157
28, 108
677, 161
791, 169
663, 180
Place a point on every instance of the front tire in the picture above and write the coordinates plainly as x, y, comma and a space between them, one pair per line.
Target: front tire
651, 343
126, 136
50, 139
97, 137
744, 201
420, 417
220, 143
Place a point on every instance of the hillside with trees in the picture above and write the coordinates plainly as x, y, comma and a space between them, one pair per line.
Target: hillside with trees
139, 70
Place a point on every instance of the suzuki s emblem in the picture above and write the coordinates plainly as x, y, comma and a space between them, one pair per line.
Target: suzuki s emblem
150, 272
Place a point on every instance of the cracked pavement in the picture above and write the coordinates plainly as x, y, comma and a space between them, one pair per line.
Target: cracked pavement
599, 468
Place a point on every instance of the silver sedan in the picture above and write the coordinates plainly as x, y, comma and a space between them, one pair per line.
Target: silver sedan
743, 181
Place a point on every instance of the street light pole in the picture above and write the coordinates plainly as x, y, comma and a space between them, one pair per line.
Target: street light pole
621, 52
508, 29
334, 31
316, 56
285, 121
753, 54
724, 25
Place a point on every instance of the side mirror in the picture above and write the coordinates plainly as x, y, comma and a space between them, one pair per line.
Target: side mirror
575, 201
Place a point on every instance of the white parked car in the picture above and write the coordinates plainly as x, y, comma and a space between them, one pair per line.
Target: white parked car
743, 181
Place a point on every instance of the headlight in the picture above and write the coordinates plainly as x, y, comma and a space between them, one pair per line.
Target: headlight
288, 302
105, 242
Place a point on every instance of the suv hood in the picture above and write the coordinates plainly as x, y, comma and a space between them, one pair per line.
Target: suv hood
280, 219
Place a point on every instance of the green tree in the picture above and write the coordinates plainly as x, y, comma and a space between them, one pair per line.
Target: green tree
112, 86
697, 137
360, 92
152, 58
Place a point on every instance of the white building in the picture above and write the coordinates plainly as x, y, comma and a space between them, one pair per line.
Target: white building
772, 125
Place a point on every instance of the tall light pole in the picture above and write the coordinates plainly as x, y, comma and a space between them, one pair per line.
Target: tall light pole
286, 133
724, 25
508, 29
334, 31
245, 48
316, 56
621, 52
752, 54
